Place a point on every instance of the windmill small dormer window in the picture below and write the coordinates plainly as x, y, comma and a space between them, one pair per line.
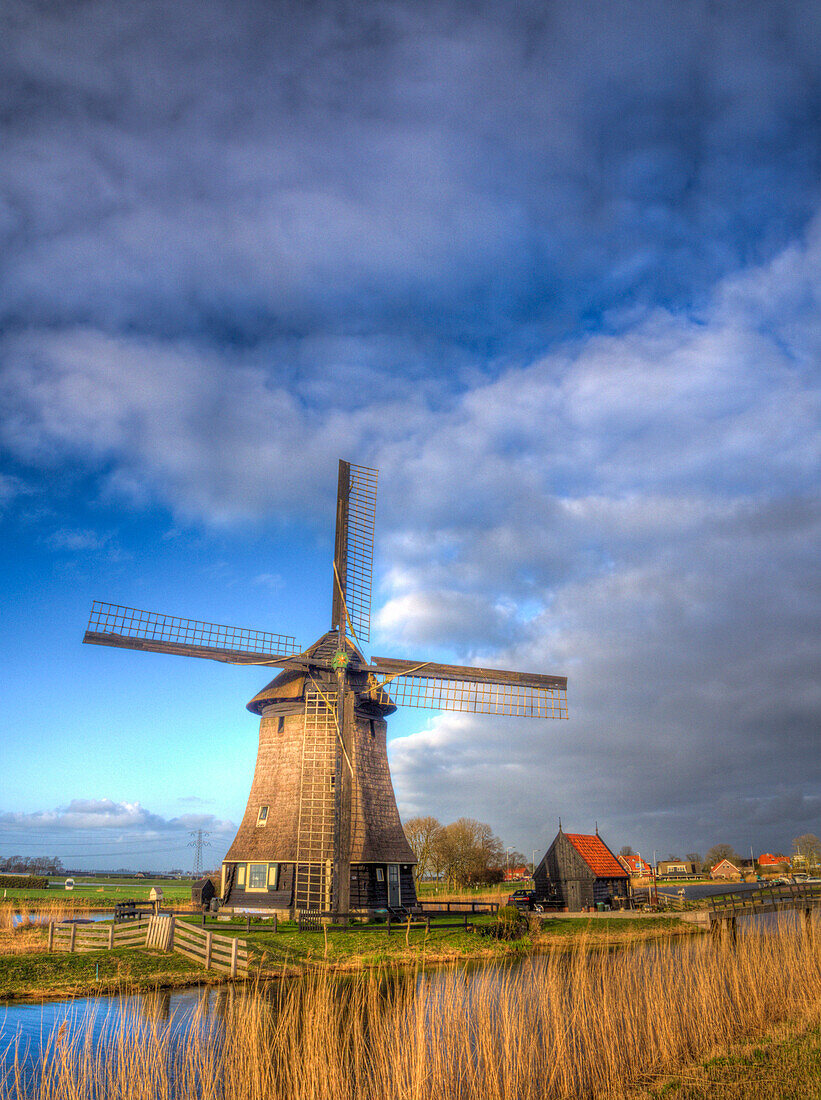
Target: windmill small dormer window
262, 816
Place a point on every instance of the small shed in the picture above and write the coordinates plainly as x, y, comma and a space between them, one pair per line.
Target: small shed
581, 871
203, 891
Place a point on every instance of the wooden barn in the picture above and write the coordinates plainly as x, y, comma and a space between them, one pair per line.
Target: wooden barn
580, 871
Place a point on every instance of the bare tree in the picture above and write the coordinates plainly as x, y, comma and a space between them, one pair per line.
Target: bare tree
626, 850
808, 846
719, 852
421, 833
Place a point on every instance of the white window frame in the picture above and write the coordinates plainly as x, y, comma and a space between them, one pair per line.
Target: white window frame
241, 875
262, 816
249, 889
273, 876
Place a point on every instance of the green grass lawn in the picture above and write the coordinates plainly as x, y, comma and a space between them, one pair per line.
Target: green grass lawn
365, 945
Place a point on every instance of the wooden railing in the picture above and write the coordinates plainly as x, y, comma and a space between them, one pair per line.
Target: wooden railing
94, 937
764, 899
456, 907
161, 932
224, 953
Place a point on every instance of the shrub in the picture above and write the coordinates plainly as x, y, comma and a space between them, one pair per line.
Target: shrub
508, 922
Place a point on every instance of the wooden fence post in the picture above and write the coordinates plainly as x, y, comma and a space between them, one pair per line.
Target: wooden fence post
111, 936
233, 958
172, 920
208, 938
72, 938
275, 922
51, 936
389, 922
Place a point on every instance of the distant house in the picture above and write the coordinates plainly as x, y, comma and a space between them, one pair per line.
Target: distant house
676, 867
635, 866
579, 870
516, 874
769, 861
725, 869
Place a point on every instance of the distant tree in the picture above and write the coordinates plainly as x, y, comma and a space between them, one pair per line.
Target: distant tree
421, 833
468, 852
693, 857
674, 859
809, 846
722, 851
626, 850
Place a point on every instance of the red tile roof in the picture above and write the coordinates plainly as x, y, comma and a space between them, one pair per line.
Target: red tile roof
597, 855
768, 859
635, 865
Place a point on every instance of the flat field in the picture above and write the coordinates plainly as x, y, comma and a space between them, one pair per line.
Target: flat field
100, 892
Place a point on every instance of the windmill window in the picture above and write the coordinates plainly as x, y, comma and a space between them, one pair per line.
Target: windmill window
262, 816
380, 874
281, 723
257, 876
273, 875
333, 782
241, 875
373, 727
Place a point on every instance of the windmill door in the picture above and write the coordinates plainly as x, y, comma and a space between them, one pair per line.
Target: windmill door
394, 896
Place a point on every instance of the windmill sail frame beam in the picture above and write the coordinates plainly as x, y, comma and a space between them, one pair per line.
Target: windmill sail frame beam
393, 667
132, 628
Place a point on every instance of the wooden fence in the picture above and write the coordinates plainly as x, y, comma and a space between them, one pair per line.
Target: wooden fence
214, 952
93, 937
162, 933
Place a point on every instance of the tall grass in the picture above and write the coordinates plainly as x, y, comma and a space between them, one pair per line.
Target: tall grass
588, 1024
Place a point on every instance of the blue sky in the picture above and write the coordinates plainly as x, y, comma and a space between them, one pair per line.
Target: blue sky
554, 270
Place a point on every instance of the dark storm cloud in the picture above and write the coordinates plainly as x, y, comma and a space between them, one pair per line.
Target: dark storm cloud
554, 268
475, 174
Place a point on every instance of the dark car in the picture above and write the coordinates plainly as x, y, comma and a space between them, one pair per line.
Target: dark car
525, 900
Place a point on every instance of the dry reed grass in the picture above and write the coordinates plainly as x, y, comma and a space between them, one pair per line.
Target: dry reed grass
580, 1025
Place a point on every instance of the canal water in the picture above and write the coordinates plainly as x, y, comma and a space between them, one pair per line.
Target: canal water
28, 1031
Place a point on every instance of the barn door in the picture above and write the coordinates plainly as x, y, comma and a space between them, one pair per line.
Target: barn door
394, 895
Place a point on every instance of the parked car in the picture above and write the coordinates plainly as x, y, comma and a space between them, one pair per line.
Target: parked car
525, 900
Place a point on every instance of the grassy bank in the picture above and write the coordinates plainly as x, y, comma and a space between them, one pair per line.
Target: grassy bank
588, 1023
36, 976
26, 971
782, 1065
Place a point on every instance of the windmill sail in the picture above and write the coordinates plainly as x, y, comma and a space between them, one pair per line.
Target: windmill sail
131, 628
473, 690
353, 550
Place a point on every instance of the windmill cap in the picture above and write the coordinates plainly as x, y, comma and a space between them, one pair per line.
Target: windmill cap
289, 685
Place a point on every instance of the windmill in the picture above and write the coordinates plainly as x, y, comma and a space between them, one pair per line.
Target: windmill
321, 829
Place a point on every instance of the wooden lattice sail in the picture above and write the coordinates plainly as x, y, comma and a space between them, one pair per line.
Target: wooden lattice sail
321, 829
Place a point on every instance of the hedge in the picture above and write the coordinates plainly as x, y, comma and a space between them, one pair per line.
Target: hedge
24, 882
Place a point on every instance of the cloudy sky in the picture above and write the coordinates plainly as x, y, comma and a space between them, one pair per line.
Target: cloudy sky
554, 268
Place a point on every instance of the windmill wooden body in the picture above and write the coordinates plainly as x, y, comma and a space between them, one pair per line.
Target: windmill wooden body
321, 829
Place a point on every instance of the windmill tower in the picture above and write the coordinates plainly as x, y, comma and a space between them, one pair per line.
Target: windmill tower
321, 829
